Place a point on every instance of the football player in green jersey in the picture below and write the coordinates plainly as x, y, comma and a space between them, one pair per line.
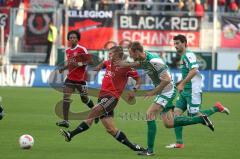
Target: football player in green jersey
164, 91
190, 89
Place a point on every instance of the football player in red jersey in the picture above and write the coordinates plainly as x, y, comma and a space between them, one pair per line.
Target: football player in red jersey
113, 84
77, 60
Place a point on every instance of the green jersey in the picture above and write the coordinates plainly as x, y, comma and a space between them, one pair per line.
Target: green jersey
188, 62
154, 66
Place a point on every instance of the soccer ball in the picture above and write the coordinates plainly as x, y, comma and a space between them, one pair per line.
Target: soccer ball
26, 141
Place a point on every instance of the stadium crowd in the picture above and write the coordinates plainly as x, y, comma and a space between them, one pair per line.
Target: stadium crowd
198, 6
192, 6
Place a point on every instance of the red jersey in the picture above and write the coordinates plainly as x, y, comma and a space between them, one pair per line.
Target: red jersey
115, 79
76, 73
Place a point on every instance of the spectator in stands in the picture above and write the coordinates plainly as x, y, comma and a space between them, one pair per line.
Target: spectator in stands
189, 6
149, 5
199, 9
104, 5
168, 7
221, 5
180, 5
209, 7
76, 4
90, 5
238, 3
52, 36
233, 7
121, 4
132, 6
1, 2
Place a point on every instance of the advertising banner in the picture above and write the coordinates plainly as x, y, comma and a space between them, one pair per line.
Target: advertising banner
46, 76
158, 30
226, 81
37, 28
213, 81
18, 75
36, 23
230, 31
96, 27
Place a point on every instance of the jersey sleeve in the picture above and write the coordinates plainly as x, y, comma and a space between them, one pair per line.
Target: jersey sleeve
133, 73
191, 60
159, 65
84, 50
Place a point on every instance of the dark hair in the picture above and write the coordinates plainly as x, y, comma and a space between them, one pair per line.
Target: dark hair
118, 50
180, 37
134, 46
74, 32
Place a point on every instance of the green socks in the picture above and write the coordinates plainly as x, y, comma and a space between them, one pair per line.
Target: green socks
178, 132
152, 130
185, 120
179, 122
210, 112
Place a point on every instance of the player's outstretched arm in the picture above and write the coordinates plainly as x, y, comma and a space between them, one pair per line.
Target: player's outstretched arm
99, 67
127, 64
85, 58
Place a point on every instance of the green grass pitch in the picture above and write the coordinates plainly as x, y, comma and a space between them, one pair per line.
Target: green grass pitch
31, 111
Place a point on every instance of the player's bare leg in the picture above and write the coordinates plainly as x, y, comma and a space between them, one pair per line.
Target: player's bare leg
66, 105
85, 99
